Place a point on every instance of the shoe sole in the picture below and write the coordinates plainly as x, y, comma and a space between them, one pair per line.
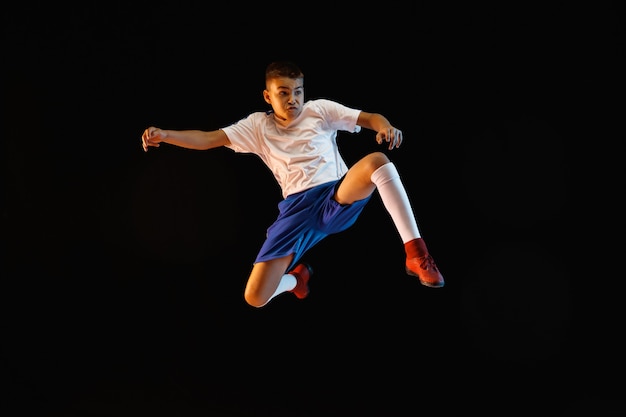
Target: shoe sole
426, 284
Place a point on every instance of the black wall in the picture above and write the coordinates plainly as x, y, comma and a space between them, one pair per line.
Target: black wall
123, 271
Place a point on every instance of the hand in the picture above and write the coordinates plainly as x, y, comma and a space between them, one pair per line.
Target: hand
391, 135
152, 136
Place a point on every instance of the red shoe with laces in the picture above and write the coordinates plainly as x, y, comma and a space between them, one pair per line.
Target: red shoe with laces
303, 273
420, 264
426, 270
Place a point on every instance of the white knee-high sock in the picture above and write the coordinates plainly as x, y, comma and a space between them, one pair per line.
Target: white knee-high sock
396, 201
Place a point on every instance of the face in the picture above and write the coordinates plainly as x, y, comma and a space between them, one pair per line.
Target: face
286, 96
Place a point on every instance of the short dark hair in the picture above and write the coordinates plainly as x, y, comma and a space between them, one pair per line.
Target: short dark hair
283, 69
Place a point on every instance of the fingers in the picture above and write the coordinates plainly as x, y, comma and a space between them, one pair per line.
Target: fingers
397, 139
392, 136
145, 139
149, 138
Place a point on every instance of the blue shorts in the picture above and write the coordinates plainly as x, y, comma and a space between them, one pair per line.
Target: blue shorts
304, 219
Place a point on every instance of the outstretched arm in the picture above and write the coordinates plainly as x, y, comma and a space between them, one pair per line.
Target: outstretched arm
191, 139
385, 131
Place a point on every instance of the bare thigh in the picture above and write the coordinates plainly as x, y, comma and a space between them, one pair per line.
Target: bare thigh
357, 183
264, 280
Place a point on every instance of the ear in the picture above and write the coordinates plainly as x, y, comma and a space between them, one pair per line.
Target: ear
266, 97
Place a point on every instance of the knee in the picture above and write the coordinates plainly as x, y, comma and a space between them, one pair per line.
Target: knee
375, 160
254, 298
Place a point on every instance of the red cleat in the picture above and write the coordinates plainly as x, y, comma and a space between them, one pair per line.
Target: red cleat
426, 270
420, 264
303, 273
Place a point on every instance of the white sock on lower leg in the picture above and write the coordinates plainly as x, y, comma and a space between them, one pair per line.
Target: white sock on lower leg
396, 201
287, 283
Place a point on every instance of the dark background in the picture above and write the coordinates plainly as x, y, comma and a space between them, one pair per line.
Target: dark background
123, 271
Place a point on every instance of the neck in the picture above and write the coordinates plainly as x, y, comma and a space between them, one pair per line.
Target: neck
282, 119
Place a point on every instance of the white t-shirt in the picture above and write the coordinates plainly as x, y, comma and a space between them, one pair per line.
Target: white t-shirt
303, 154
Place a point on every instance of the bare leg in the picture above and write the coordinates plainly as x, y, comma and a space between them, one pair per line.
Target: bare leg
265, 279
375, 171
358, 182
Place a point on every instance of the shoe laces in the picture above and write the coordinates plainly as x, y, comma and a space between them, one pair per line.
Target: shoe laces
427, 262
